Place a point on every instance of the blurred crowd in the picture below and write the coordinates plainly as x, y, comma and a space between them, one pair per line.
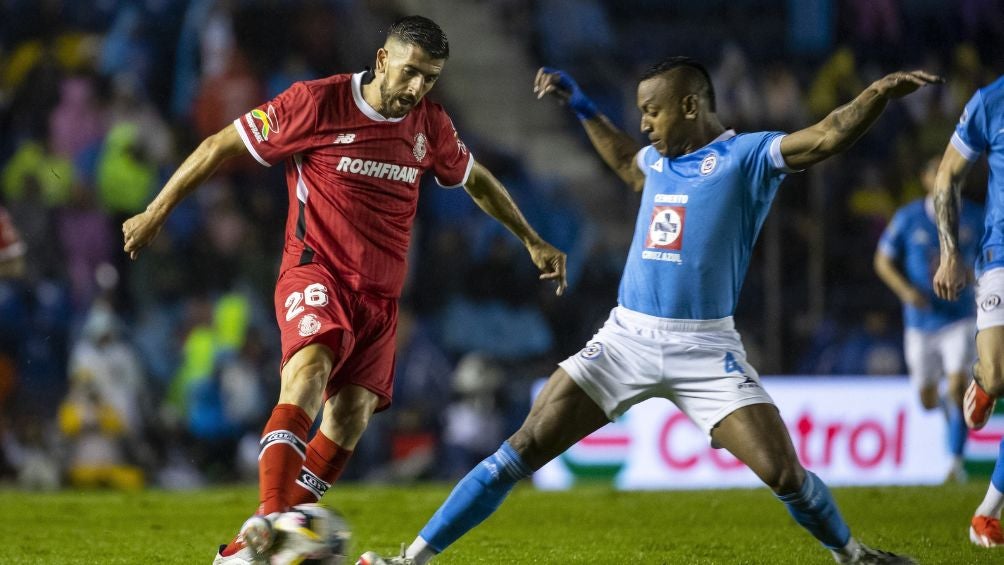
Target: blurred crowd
162, 370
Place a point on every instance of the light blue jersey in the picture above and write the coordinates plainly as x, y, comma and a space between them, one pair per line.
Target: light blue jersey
700, 215
911, 239
981, 130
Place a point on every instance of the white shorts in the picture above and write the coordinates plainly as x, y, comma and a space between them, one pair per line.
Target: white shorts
700, 365
989, 294
932, 355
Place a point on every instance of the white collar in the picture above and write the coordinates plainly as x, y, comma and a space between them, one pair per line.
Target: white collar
727, 134
363, 105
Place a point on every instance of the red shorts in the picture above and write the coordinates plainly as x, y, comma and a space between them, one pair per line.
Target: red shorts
312, 306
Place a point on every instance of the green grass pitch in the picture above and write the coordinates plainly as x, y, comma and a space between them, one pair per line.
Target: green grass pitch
585, 525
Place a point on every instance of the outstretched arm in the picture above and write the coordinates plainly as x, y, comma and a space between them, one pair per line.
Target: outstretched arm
843, 126
142, 228
952, 275
616, 147
489, 194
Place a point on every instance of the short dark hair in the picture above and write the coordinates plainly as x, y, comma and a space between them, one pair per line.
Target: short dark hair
423, 32
696, 78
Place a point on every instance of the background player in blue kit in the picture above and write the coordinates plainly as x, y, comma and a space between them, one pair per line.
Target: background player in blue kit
705, 194
938, 336
980, 130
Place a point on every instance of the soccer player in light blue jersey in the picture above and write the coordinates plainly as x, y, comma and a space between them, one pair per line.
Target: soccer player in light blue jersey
980, 130
938, 336
705, 193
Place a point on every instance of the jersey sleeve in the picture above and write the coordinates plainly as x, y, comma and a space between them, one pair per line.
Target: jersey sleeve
645, 158
891, 242
764, 164
970, 137
281, 127
452, 162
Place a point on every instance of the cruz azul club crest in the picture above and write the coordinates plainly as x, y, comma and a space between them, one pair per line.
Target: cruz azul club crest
420, 147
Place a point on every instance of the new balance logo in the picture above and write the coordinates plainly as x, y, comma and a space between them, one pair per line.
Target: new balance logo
344, 139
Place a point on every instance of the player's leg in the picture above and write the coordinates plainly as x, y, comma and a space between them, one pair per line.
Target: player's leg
561, 415
988, 372
316, 338
958, 432
988, 376
346, 416
363, 385
957, 350
923, 364
985, 527
284, 440
756, 435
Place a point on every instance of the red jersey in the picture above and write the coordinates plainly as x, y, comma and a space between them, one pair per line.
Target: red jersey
352, 175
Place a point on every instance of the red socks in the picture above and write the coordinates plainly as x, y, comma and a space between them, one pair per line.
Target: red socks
281, 454
324, 464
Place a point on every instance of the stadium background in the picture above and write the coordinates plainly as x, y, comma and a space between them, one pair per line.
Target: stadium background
161, 371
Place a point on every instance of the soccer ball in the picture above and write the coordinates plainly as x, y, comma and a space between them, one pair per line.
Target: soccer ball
310, 534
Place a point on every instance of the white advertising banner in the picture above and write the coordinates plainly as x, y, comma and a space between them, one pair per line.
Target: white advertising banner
848, 430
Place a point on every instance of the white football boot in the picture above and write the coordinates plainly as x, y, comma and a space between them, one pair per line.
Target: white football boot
372, 558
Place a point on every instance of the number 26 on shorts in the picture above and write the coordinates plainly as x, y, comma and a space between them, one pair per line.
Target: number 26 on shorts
314, 295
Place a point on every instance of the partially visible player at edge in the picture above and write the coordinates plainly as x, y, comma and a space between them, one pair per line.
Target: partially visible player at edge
705, 194
355, 148
980, 130
938, 334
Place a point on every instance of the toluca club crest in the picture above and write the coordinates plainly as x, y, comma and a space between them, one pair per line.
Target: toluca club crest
419, 149
309, 325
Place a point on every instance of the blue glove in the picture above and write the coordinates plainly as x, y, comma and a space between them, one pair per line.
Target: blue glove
583, 107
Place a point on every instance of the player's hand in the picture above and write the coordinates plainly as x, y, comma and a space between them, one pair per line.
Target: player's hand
563, 86
897, 85
950, 278
139, 230
551, 263
915, 298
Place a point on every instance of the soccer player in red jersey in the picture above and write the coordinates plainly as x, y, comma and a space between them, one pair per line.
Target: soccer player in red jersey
355, 148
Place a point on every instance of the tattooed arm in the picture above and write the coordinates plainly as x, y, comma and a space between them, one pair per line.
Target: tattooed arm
843, 126
952, 275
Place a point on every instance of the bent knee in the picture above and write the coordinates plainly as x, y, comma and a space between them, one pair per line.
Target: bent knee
929, 397
351, 421
785, 478
311, 376
989, 373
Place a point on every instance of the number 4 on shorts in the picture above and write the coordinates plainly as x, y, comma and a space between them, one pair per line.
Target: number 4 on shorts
731, 365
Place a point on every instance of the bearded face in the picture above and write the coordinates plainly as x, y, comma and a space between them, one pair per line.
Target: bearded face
396, 102
405, 73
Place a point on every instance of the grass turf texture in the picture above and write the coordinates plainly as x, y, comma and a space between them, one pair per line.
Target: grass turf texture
586, 525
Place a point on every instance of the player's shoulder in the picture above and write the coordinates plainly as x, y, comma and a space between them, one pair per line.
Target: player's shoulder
753, 140
915, 208
433, 112
909, 213
321, 87
989, 99
994, 89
